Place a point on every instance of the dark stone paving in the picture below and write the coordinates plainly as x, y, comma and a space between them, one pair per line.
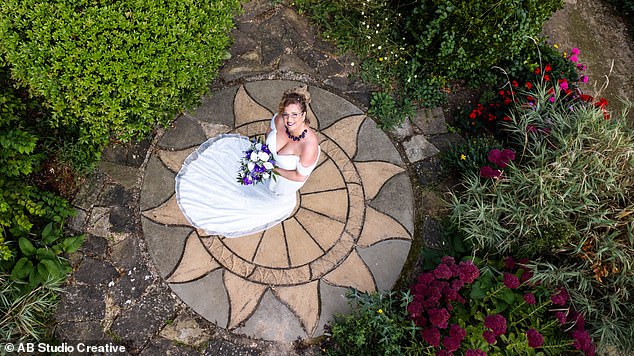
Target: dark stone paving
117, 292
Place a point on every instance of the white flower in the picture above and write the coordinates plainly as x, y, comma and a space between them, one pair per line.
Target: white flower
263, 156
254, 156
268, 165
250, 166
258, 146
265, 176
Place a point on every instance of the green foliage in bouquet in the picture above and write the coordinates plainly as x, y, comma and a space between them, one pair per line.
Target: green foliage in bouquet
117, 68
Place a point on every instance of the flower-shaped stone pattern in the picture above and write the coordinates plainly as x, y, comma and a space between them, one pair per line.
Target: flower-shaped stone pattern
352, 225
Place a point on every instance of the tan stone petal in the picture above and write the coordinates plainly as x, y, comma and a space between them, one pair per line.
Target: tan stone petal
301, 247
352, 273
244, 246
244, 297
213, 129
174, 159
314, 121
333, 204
247, 110
324, 177
280, 276
167, 213
324, 230
226, 257
375, 174
254, 129
378, 227
303, 300
333, 257
342, 161
195, 262
344, 132
272, 249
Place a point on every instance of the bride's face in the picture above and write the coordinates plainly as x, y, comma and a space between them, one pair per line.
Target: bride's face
293, 116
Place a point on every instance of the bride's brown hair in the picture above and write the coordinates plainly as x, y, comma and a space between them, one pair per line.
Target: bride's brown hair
297, 95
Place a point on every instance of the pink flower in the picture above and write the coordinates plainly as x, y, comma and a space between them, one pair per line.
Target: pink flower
442, 272
477, 352
574, 51
444, 353
563, 84
439, 317
501, 158
561, 317
456, 331
552, 99
584, 78
535, 339
468, 271
495, 322
509, 262
560, 298
529, 298
511, 281
431, 335
527, 274
451, 343
574, 59
489, 336
583, 342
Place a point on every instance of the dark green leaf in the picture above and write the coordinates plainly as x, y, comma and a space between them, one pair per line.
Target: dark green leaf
26, 246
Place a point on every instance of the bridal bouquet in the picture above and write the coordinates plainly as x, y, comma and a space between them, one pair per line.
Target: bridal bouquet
257, 164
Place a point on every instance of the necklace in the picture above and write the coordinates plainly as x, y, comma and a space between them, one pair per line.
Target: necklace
296, 138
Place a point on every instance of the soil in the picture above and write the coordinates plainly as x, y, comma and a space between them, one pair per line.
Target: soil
606, 47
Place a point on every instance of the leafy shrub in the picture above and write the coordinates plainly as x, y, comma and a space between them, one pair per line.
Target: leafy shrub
467, 158
459, 38
387, 111
24, 315
378, 325
571, 183
114, 68
497, 311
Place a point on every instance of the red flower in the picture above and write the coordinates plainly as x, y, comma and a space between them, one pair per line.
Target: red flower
538, 70
602, 103
547, 68
515, 84
546, 77
528, 85
535, 339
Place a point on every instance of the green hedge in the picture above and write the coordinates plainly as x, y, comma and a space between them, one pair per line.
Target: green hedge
114, 68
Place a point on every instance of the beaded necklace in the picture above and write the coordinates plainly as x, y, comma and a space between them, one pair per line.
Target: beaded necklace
296, 138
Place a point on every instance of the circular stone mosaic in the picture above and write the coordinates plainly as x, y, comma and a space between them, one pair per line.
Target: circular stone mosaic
351, 228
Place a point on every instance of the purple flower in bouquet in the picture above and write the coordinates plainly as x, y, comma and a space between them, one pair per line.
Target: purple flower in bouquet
256, 165
535, 339
495, 322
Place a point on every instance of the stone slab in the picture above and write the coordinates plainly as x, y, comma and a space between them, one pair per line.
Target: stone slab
160, 346
396, 200
269, 92
158, 184
219, 347
185, 330
81, 303
403, 131
333, 301
216, 107
329, 107
386, 260
374, 145
124, 175
292, 63
418, 148
165, 244
185, 133
130, 154
446, 142
96, 272
207, 296
431, 121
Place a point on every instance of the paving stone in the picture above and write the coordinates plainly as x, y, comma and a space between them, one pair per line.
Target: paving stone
144, 319
374, 145
216, 107
165, 244
404, 130
269, 92
115, 194
81, 303
330, 67
122, 220
158, 184
124, 175
95, 272
81, 331
242, 42
432, 233
292, 63
128, 154
297, 27
333, 301
94, 245
98, 223
329, 107
132, 285
89, 190
242, 69
311, 57
446, 142
395, 199
431, 121
126, 254
338, 82
185, 133
185, 330
429, 171
161, 346
77, 223
215, 304
386, 260
418, 148
254, 9
220, 347
272, 321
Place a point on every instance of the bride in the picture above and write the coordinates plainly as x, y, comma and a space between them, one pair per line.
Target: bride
206, 188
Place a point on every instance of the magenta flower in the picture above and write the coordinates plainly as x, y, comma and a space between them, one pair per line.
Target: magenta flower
501, 158
439, 317
583, 342
432, 336
563, 84
468, 271
529, 298
535, 339
488, 172
489, 336
442, 272
451, 343
574, 59
444, 353
574, 51
526, 274
456, 331
561, 317
584, 78
478, 352
560, 298
509, 262
552, 99
495, 322
511, 281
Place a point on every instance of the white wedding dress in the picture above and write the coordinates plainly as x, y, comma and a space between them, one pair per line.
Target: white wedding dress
211, 198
